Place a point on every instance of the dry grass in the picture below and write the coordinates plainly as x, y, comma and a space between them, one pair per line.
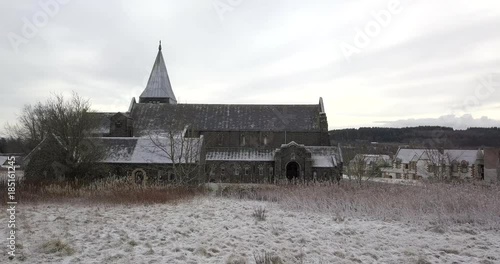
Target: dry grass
267, 258
58, 247
436, 203
112, 191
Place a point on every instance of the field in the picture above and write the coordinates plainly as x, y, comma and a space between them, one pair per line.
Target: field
378, 223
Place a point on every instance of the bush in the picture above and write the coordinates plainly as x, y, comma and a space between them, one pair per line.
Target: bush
259, 214
57, 247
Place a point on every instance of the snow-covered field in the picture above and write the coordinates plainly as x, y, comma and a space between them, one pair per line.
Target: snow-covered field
223, 230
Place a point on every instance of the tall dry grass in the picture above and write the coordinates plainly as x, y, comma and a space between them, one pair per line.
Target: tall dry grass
105, 191
437, 203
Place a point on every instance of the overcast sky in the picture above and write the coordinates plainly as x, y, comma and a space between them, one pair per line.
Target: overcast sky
375, 63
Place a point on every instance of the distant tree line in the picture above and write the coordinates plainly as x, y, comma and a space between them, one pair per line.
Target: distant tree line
420, 136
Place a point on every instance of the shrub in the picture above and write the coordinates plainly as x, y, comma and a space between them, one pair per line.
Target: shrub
259, 214
57, 247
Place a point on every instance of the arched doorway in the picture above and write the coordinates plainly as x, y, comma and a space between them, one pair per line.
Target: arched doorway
139, 176
292, 170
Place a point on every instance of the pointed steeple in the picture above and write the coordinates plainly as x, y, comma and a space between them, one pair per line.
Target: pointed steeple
158, 89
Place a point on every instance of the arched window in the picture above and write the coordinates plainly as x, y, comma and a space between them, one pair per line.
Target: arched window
261, 170
243, 140
265, 140
236, 170
222, 170
247, 170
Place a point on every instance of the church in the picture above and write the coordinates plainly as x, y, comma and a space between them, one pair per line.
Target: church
159, 139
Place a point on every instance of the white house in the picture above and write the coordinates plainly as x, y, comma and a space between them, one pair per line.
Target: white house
427, 163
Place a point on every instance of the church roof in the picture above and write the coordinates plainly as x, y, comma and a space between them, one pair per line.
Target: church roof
324, 156
218, 117
240, 154
147, 150
159, 83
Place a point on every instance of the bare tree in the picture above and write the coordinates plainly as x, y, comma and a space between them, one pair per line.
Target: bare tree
30, 128
356, 168
366, 167
182, 151
64, 126
440, 165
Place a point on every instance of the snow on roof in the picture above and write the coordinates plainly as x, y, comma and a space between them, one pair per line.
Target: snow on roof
470, 156
407, 155
371, 158
236, 154
146, 150
324, 156
448, 155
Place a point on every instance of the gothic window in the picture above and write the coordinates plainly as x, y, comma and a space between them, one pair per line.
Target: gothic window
261, 170
265, 140
243, 140
247, 170
222, 170
236, 170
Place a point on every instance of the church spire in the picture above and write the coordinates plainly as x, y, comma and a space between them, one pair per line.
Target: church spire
158, 89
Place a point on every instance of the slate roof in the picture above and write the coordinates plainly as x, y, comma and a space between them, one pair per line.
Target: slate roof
448, 155
407, 155
460, 155
324, 156
237, 154
159, 83
144, 150
226, 117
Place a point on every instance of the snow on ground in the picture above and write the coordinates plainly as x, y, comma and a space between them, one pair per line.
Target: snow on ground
220, 230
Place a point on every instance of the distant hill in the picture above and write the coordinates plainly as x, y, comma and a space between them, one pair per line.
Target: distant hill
424, 136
